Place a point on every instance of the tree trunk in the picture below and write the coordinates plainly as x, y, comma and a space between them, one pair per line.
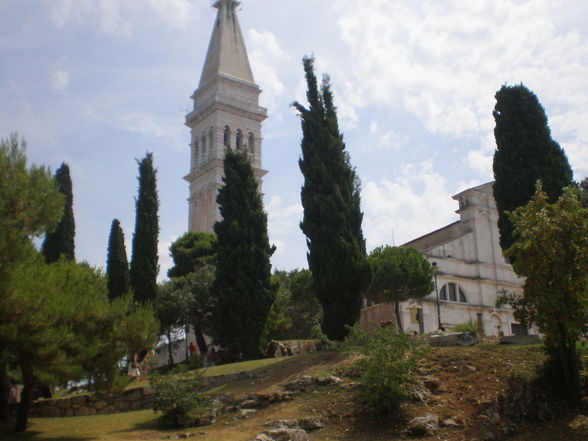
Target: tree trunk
200, 341
397, 314
4, 392
28, 378
170, 349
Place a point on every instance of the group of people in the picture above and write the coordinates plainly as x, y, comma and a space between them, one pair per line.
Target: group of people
138, 368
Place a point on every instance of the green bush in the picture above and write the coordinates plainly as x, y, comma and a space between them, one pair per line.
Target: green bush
387, 367
469, 326
178, 399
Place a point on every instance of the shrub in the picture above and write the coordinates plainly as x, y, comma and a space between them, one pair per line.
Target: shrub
179, 399
387, 367
469, 326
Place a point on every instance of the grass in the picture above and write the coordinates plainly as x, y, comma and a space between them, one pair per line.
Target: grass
99, 427
243, 366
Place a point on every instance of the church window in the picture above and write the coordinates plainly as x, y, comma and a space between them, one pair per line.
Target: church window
210, 139
453, 293
227, 137
203, 143
252, 144
239, 139
195, 154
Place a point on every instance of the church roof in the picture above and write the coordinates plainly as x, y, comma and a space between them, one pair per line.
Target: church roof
226, 54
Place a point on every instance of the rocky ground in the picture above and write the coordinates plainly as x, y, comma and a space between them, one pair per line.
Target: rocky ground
462, 394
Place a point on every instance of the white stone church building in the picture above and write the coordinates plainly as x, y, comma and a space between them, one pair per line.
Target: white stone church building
471, 272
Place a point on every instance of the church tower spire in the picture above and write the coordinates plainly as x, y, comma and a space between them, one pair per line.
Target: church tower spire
226, 114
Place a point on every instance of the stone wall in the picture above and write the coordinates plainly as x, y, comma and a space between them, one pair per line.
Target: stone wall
134, 399
83, 405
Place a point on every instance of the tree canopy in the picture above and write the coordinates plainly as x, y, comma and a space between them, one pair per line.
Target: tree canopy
61, 242
30, 205
117, 265
144, 260
525, 152
399, 274
243, 285
551, 251
332, 215
190, 251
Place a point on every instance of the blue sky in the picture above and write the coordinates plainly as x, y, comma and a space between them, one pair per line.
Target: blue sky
97, 83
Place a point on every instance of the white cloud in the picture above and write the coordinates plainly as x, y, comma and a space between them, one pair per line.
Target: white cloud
106, 14
283, 218
444, 61
266, 56
165, 260
175, 12
150, 125
59, 80
414, 203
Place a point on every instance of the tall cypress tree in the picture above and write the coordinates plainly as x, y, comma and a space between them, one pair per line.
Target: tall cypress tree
242, 285
117, 265
61, 241
525, 152
144, 267
332, 216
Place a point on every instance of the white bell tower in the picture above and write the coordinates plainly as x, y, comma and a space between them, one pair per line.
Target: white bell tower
226, 114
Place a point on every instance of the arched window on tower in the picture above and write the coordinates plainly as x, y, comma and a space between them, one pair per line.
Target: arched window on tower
195, 153
210, 141
453, 293
203, 146
251, 145
239, 139
227, 137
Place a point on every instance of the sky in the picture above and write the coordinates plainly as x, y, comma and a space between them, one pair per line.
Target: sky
98, 83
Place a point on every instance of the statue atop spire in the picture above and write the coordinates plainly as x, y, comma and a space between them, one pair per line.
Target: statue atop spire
232, 3
226, 52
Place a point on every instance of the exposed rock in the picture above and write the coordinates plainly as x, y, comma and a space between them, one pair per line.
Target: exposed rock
453, 339
303, 382
246, 413
308, 423
419, 394
423, 426
260, 401
450, 422
282, 435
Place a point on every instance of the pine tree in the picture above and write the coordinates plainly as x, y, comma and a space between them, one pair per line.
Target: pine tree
61, 241
242, 285
332, 216
117, 265
144, 267
525, 153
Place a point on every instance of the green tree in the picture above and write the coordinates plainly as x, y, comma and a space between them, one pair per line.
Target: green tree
70, 332
30, 205
551, 251
191, 253
186, 301
243, 278
117, 265
144, 267
332, 216
61, 242
583, 186
525, 152
296, 313
193, 249
399, 274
